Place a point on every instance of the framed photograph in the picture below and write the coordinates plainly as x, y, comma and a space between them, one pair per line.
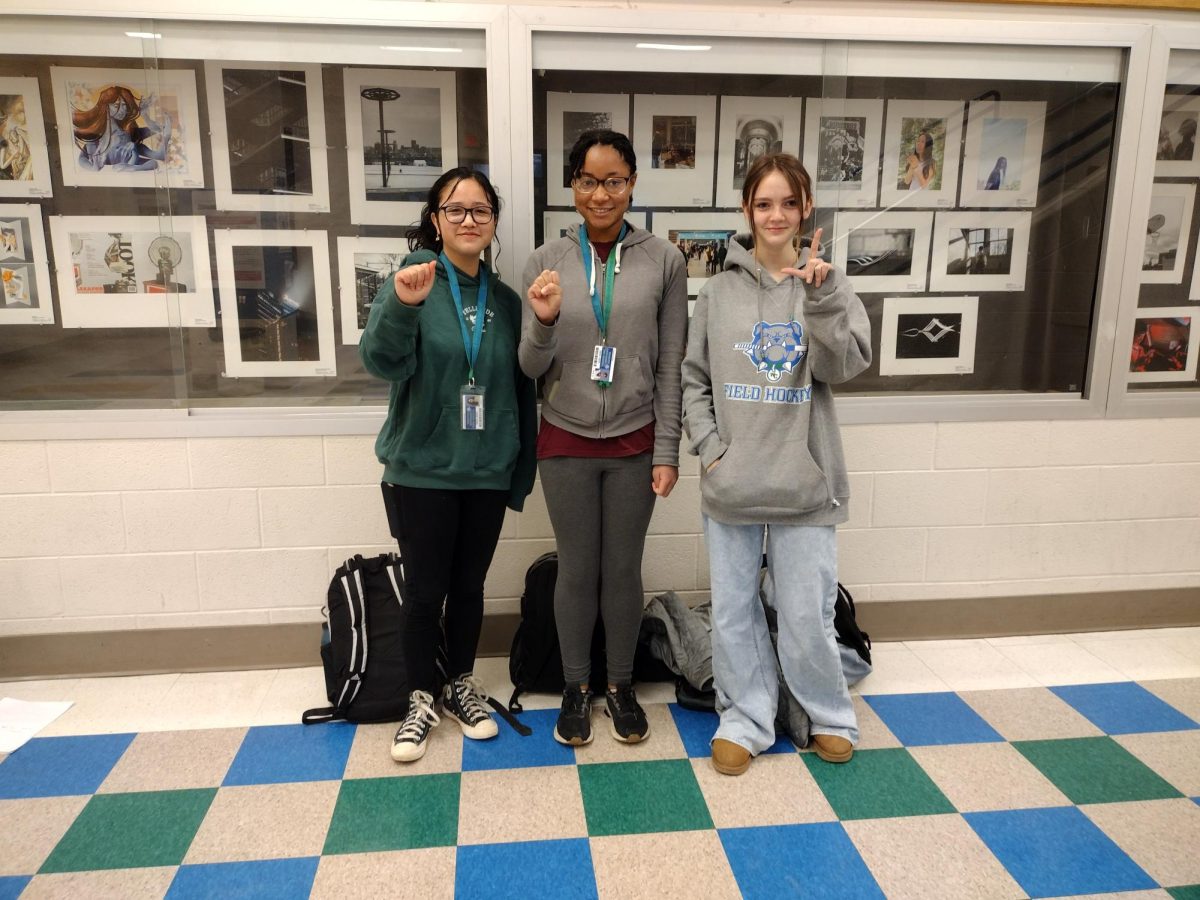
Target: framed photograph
364, 264
752, 127
556, 223
1167, 233
24, 163
1162, 345
702, 238
276, 303
920, 153
883, 251
567, 117
980, 251
1176, 155
928, 335
674, 137
268, 136
131, 272
1003, 157
401, 135
128, 127
841, 151
24, 276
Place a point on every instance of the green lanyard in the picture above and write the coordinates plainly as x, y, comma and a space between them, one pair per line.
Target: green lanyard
471, 342
602, 313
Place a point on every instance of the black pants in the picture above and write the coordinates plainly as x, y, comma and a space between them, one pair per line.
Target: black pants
447, 539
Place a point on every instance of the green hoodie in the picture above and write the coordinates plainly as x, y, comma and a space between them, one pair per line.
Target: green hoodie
419, 349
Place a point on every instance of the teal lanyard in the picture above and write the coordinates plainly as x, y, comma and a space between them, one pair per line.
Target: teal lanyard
471, 341
610, 273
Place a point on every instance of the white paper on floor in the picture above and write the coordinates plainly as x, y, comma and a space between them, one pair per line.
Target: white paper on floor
22, 719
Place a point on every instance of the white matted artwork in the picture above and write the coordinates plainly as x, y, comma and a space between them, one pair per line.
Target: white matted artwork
980, 251
1176, 154
401, 135
24, 163
556, 223
24, 272
928, 335
883, 251
674, 137
268, 136
702, 238
1167, 232
567, 117
276, 303
841, 151
128, 127
1002, 159
752, 127
364, 263
133, 271
1163, 349
920, 153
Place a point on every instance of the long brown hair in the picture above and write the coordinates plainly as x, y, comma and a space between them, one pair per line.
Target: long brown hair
91, 124
791, 169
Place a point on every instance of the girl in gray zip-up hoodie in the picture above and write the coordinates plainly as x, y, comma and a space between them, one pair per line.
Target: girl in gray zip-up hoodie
769, 335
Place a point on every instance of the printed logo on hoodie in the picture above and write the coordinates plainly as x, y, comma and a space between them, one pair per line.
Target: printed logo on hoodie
775, 348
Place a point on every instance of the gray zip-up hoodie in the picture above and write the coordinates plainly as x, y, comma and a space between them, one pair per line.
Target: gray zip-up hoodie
647, 327
761, 356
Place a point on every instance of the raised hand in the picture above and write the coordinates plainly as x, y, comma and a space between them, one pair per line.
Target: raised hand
414, 283
545, 296
815, 270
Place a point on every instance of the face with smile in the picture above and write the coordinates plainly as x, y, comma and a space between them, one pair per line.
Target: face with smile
463, 242
775, 213
603, 212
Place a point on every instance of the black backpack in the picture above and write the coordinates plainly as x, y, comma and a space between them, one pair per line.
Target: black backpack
846, 626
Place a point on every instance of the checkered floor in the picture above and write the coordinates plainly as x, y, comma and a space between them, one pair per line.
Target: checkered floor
1038, 791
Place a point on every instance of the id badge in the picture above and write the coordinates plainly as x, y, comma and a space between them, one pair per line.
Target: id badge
604, 364
471, 406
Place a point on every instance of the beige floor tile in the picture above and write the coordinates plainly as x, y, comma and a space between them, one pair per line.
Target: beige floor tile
214, 700
1158, 894
506, 805
1161, 836
1029, 714
971, 665
976, 777
175, 760
370, 754
1057, 664
1144, 657
114, 705
681, 865
663, 742
291, 692
398, 875
1021, 640
30, 829
1181, 693
920, 857
1175, 755
897, 670
265, 821
51, 689
108, 884
777, 789
873, 734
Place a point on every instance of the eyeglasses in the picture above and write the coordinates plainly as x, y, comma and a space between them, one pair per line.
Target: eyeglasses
586, 184
456, 215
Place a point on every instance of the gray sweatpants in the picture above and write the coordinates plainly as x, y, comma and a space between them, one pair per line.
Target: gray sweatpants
600, 510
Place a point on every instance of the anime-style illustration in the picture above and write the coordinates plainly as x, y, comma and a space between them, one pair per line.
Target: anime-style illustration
108, 133
16, 160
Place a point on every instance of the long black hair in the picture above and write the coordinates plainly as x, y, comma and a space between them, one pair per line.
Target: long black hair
424, 235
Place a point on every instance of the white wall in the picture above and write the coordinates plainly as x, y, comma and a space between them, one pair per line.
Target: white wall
127, 534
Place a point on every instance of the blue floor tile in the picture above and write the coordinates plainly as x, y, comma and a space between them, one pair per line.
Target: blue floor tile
1124, 708
266, 879
797, 860
696, 730
12, 885
509, 750
61, 766
559, 869
275, 754
925, 720
1058, 851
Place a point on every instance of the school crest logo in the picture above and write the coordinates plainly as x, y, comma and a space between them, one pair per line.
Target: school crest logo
775, 348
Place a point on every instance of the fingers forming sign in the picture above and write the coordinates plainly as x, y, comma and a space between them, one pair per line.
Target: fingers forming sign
815, 270
414, 283
545, 296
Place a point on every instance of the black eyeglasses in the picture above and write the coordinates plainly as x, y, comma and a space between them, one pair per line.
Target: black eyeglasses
586, 184
456, 215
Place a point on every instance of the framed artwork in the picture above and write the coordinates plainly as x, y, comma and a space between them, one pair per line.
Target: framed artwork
24, 276
702, 238
556, 223
980, 251
567, 117
841, 151
364, 264
883, 251
132, 272
1167, 232
928, 335
268, 136
1002, 161
128, 127
920, 153
24, 163
1162, 348
674, 137
276, 303
401, 135
1176, 154
752, 127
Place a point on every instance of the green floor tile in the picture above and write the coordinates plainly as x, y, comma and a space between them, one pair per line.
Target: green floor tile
1095, 770
126, 831
878, 784
395, 814
640, 797
1186, 892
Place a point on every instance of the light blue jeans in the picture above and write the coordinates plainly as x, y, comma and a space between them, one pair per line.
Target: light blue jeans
803, 565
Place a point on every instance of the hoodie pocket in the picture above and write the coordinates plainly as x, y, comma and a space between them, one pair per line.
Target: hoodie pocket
633, 386
575, 396
767, 476
501, 443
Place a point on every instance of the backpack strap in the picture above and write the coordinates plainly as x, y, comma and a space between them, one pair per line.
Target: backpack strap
323, 714
517, 725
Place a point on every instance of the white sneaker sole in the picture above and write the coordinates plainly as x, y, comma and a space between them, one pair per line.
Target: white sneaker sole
481, 732
631, 739
574, 742
408, 752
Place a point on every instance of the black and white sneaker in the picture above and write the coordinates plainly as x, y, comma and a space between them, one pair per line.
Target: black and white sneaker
575, 718
412, 738
628, 719
463, 700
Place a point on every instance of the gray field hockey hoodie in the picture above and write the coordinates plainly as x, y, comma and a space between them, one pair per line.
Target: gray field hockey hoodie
760, 358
